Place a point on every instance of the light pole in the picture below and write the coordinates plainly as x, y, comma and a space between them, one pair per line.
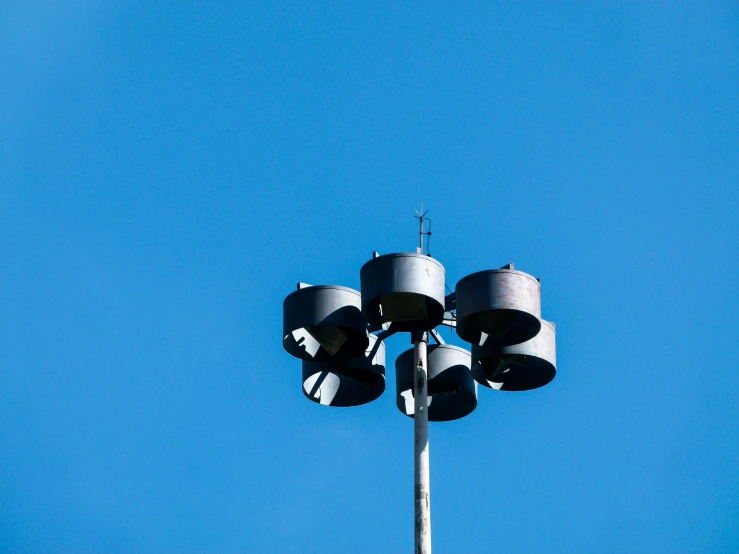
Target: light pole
339, 335
421, 477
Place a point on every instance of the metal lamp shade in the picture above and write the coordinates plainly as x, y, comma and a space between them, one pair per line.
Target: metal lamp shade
498, 307
348, 383
529, 365
324, 323
452, 391
404, 289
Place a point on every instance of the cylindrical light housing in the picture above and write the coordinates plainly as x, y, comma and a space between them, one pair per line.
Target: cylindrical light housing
324, 323
404, 289
498, 306
347, 383
519, 367
451, 389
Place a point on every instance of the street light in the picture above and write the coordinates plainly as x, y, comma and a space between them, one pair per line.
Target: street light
339, 334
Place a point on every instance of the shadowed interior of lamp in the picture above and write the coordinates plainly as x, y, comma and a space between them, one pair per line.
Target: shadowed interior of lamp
403, 306
329, 337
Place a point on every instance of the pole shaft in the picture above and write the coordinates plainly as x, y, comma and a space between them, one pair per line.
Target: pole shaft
421, 448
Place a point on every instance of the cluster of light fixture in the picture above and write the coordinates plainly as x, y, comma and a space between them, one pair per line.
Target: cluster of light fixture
339, 333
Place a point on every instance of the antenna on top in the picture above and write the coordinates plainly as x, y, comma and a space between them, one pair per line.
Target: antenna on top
421, 216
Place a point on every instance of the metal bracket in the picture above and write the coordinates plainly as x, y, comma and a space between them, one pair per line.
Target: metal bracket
450, 301
381, 337
450, 319
437, 336
385, 334
373, 328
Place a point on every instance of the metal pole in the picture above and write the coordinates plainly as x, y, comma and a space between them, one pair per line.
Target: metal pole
421, 446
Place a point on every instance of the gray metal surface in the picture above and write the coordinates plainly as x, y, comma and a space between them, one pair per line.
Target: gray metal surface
421, 474
498, 307
518, 367
406, 289
452, 392
324, 323
347, 383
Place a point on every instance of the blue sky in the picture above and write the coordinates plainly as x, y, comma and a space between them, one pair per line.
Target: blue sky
169, 171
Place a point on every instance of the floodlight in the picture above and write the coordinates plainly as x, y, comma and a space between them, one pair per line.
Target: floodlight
324, 323
404, 289
519, 367
499, 307
451, 389
349, 382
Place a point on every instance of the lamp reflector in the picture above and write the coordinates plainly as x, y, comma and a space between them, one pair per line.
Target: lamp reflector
403, 306
329, 337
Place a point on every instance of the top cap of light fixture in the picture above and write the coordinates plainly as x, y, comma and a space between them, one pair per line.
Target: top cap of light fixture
405, 289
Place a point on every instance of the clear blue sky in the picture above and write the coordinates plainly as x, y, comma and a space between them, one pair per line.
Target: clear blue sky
170, 170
